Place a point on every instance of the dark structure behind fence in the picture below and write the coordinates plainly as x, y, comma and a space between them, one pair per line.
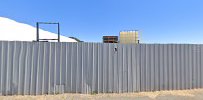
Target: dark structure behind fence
34, 68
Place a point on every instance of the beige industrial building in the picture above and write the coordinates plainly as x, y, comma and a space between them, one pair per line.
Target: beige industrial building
128, 37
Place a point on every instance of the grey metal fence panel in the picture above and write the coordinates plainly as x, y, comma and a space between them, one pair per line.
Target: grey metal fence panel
35, 68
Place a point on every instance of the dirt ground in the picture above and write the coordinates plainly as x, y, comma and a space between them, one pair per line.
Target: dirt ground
196, 94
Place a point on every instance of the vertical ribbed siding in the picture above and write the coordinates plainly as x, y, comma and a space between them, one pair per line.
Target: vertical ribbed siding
35, 68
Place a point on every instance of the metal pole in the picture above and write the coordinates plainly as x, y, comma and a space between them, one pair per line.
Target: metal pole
58, 32
37, 32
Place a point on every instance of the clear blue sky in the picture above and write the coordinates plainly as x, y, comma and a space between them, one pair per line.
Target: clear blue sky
159, 21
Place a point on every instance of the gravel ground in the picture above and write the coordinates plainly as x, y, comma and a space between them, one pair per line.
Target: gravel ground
162, 95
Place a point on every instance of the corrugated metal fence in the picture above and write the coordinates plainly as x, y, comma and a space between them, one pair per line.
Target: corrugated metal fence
33, 68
